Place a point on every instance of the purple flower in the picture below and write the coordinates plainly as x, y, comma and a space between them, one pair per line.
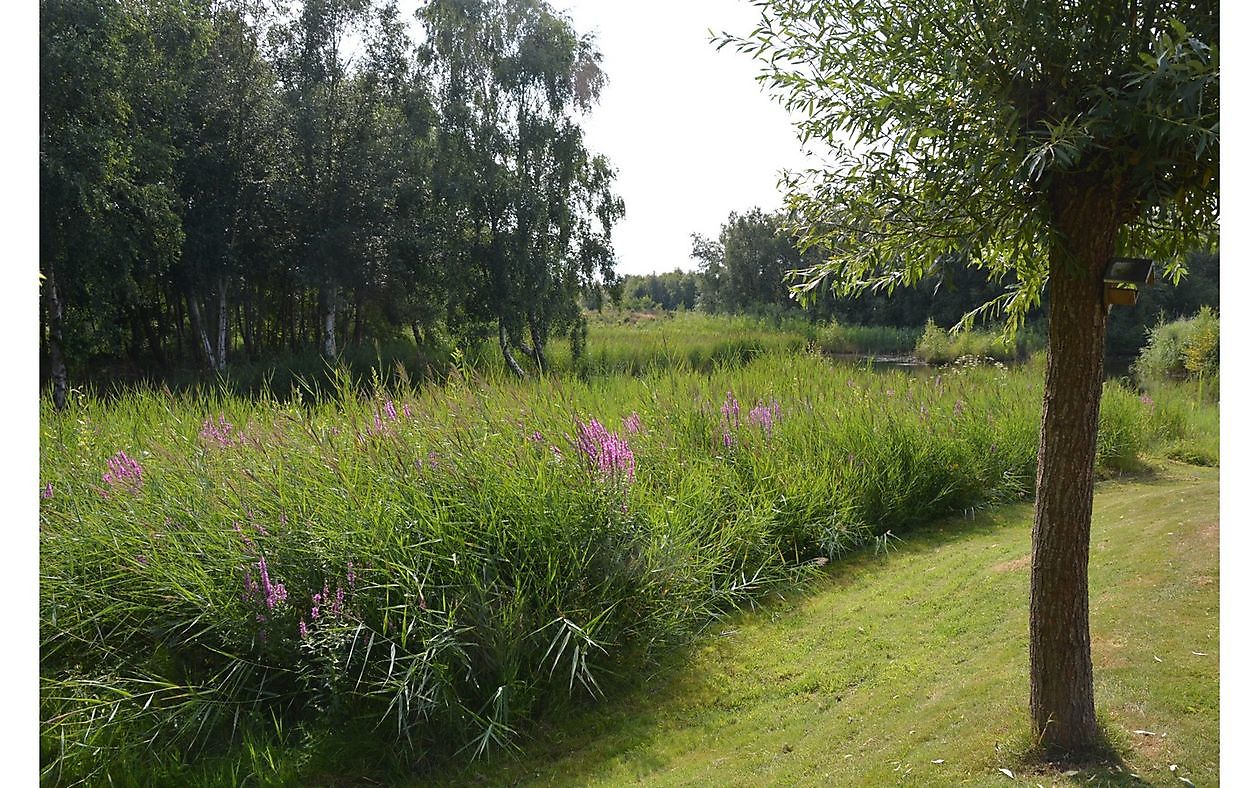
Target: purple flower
302, 630
123, 472
605, 451
46, 491
631, 423
763, 417
406, 410
273, 593
730, 410
220, 432
536, 436
728, 440
350, 574
389, 410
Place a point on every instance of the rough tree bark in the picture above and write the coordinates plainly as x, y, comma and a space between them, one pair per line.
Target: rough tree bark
1062, 689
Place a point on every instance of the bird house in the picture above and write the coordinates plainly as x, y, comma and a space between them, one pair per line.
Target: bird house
1122, 278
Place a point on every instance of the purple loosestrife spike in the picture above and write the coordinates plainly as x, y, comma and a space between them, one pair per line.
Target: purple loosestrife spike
631, 423
46, 492
728, 440
406, 410
302, 630
730, 410
762, 416
536, 436
389, 410
350, 574
123, 472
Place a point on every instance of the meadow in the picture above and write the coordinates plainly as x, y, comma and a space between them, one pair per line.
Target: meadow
427, 570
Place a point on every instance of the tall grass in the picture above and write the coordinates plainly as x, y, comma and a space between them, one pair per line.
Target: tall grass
437, 566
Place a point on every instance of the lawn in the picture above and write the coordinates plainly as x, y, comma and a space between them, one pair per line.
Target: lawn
909, 666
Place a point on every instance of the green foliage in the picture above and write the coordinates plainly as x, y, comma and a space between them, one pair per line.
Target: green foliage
938, 346
495, 573
1180, 350
971, 134
223, 182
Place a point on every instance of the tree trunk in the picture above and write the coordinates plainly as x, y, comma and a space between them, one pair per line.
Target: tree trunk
220, 355
328, 301
506, 347
56, 357
200, 337
1062, 689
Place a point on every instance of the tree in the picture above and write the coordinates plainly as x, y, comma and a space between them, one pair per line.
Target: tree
510, 76
1037, 139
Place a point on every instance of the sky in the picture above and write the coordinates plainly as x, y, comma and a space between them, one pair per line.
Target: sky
689, 130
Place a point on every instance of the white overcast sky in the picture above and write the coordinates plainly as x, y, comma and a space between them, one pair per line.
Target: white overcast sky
691, 133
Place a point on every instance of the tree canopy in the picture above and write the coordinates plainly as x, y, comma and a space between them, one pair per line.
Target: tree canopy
958, 133
228, 179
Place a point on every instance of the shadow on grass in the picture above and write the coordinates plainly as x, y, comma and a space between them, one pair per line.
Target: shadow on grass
1105, 765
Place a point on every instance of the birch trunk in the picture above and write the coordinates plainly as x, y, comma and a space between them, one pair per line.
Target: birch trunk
200, 338
56, 356
329, 319
220, 356
506, 347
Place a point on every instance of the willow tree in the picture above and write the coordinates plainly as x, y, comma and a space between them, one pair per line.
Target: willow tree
1034, 139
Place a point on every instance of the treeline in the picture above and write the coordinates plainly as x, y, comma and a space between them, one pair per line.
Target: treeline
747, 270
226, 179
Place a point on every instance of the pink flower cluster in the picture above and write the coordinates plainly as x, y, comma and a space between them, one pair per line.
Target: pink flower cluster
272, 594
123, 472
220, 433
605, 451
631, 424
765, 416
761, 415
326, 603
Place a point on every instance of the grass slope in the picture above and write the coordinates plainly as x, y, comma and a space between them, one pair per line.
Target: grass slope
900, 659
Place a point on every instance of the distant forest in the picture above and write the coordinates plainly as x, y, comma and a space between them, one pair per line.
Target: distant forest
745, 271
242, 180
236, 179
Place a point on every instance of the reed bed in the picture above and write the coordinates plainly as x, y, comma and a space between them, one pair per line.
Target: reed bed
438, 566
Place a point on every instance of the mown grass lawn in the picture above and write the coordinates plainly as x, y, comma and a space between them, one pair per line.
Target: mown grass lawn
909, 667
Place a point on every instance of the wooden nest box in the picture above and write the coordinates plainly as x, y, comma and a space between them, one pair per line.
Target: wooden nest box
1123, 277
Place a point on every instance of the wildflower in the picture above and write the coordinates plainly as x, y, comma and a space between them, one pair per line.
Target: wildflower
142, 559
730, 410
46, 492
605, 451
389, 410
728, 440
220, 433
762, 415
406, 410
123, 472
1147, 401
273, 593
350, 574
631, 424
302, 630
536, 436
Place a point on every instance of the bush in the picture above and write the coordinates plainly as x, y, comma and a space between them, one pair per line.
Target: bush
1184, 349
